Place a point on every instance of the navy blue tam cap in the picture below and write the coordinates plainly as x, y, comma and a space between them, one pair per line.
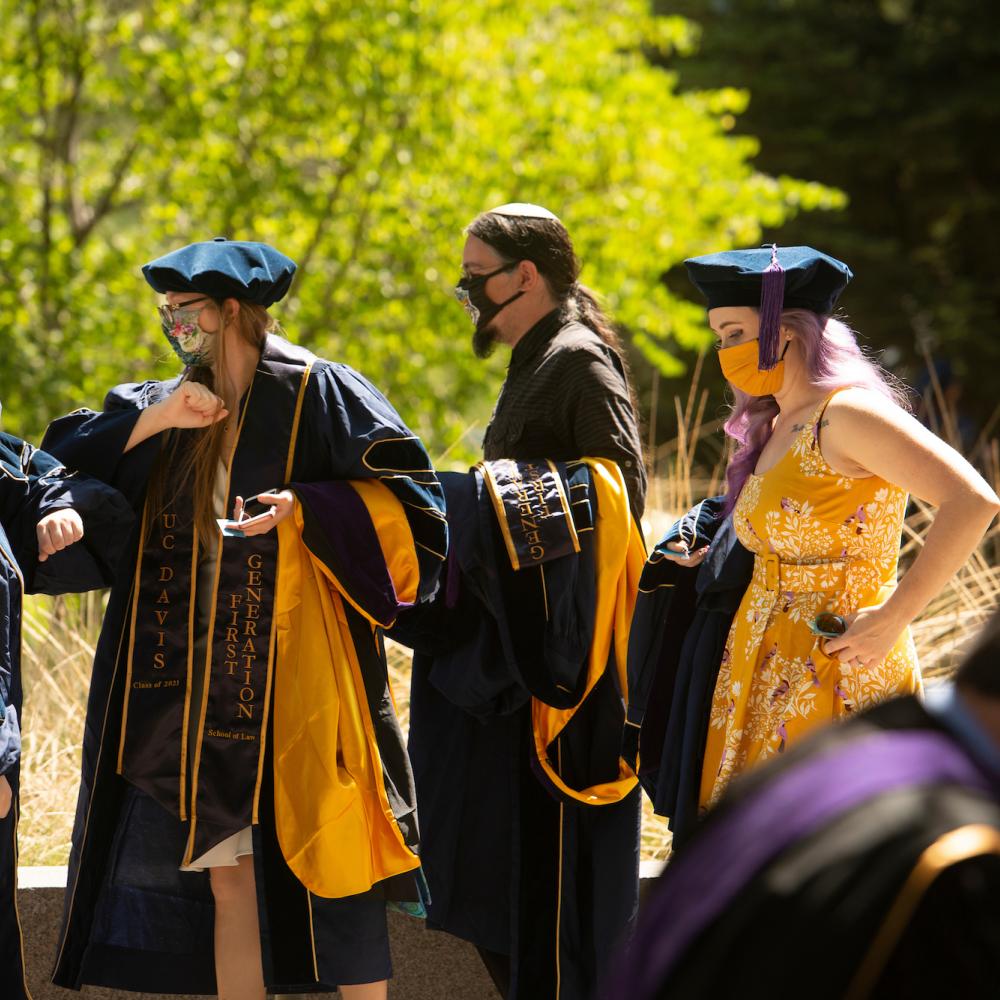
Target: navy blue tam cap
813, 280
224, 269
770, 279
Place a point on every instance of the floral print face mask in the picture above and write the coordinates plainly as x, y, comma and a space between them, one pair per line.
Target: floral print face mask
180, 326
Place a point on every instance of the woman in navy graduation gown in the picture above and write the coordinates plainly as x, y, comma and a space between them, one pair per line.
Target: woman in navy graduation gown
181, 863
44, 513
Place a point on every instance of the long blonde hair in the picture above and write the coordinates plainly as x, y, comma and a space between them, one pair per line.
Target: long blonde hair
189, 459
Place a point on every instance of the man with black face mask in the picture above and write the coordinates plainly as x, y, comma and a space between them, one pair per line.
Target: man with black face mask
529, 818
567, 391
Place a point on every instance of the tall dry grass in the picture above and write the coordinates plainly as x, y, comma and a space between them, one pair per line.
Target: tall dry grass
60, 634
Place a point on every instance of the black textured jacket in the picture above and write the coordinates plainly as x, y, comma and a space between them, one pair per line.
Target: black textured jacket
565, 397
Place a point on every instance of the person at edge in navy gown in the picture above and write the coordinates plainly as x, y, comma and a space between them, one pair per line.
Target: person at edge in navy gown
59, 533
246, 811
880, 880
540, 882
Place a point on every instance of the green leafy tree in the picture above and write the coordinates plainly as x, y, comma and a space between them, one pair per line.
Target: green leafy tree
360, 139
887, 100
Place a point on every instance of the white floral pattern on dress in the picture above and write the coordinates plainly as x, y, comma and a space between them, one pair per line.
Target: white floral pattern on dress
775, 682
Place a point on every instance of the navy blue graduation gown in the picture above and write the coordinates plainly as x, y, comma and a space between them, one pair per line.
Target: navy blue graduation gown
682, 618
32, 485
133, 920
544, 889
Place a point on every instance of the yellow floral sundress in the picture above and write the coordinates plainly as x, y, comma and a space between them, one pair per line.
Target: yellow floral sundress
822, 542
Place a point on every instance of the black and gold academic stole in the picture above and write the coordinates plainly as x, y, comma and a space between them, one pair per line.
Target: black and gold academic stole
532, 509
220, 797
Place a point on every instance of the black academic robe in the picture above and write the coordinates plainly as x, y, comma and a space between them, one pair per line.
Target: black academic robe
682, 619
874, 896
32, 485
132, 919
543, 886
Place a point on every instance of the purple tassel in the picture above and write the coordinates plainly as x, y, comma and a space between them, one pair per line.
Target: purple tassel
772, 299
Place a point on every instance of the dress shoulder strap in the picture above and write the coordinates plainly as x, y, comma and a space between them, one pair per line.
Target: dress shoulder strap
815, 421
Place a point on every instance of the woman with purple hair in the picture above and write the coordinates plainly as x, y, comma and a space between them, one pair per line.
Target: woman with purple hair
825, 456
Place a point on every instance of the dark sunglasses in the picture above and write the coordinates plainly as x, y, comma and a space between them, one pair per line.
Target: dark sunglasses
469, 281
828, 625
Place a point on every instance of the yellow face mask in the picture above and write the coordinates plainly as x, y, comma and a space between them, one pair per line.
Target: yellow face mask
739, 365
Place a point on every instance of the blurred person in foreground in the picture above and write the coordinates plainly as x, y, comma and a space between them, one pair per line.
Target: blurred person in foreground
825, 456
529, 821
880, 879
59, 533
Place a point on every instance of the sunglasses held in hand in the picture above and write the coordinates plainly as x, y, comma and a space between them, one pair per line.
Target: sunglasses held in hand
828, 625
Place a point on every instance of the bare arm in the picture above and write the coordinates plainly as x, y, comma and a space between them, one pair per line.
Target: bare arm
189, 405
865, 434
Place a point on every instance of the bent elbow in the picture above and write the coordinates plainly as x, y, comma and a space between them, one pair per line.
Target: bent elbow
989, 503
976, 506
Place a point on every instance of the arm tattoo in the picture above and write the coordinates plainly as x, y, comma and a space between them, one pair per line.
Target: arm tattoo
802, 427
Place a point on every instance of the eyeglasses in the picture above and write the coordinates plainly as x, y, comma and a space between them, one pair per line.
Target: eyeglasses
469, 281
170, 316
828, 625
